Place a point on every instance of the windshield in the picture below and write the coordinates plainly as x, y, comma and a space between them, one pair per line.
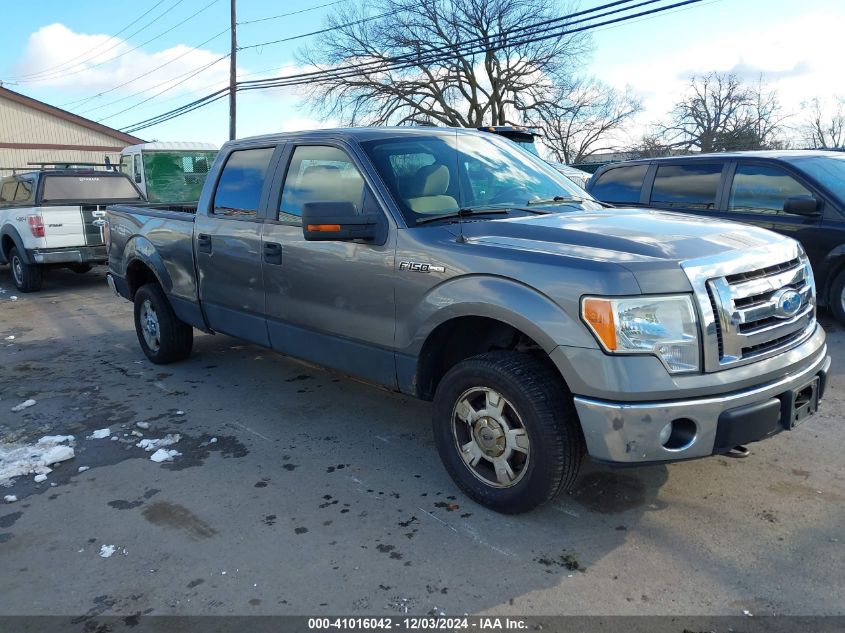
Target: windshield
828, 170
440, 174
88, 189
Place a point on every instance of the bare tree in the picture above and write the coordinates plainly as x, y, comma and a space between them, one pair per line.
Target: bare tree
649, 146
824, 125
582, 119
461, 62
721, 113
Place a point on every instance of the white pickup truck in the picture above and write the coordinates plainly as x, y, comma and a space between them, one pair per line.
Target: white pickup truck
53, 218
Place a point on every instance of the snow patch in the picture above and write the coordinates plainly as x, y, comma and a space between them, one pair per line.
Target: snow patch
27, 459
142, 425
153, 445
39, 478
165, 455
10, 338
99, 434
24, 405
82, 469
10, 498
107, 550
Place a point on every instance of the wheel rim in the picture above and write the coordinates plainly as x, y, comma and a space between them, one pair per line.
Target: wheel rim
17, 270
149, 325
490, 437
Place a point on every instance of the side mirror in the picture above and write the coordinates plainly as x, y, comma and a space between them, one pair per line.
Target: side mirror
336, 221
801, 205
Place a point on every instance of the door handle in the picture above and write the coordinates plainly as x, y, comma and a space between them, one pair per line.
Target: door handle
273, 253
204, 243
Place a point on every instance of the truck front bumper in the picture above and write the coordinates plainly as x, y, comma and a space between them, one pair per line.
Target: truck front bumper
75, 255
631, 432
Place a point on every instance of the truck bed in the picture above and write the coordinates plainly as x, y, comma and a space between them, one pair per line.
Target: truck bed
161, 236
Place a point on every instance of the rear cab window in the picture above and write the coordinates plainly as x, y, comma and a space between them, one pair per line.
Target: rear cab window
239, 188
620, 185
88, 189
690, 186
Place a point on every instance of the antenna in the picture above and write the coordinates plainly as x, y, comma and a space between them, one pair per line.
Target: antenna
461, 239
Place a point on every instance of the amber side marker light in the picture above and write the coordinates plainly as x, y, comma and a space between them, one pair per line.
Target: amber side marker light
324, 228
598, 313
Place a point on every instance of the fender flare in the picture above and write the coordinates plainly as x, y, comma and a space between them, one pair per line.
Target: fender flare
140, 249
499, 298
832, 264
10, 231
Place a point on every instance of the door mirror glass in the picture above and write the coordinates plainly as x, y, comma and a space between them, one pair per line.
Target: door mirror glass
801, 205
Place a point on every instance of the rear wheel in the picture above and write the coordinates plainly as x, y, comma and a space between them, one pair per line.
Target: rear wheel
507, 431
163, 337
837, 297
26, 277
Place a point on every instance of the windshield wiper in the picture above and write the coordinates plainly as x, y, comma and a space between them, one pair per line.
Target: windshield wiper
557, 200
465, 213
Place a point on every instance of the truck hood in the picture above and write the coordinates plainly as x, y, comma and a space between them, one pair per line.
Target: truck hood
623, 236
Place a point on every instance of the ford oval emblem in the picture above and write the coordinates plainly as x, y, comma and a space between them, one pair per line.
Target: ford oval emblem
787, 303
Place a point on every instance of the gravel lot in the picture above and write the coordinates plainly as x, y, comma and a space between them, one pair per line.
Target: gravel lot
320, 494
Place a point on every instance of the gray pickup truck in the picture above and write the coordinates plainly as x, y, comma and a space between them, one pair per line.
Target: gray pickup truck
451, 266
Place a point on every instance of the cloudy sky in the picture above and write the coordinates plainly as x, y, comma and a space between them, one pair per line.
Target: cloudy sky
84, 56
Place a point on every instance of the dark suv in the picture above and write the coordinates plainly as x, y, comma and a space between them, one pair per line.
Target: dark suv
800, 194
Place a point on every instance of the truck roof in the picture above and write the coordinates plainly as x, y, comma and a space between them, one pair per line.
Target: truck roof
360, 133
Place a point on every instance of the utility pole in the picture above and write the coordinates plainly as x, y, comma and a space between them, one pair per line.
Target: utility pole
233, 76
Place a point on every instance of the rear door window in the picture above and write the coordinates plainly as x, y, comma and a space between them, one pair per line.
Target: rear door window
763, 189
25, 193
692, 186
241, 181
620, 185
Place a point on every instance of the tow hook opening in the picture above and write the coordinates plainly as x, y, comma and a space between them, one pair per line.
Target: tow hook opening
678, 434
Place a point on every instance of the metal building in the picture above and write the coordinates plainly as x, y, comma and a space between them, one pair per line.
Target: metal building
33, 131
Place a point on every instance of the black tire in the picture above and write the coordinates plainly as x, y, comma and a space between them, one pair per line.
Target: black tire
26, 277
80, 269
174, 338
836, 298
536, 396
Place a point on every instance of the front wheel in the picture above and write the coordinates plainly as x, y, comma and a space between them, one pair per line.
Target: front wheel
507, 431
836, 300
26, 277
163, 337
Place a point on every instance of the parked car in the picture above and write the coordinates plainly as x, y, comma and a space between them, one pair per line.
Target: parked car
525, 138
452, 266
172, 172
800, 194
51, 218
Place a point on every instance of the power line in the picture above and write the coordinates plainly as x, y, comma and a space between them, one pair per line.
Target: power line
91, 50
481, 45
54, 74
284, 15
321, 31
399, 62
139, 77
134, 48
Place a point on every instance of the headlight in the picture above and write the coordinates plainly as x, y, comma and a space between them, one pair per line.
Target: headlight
664, 326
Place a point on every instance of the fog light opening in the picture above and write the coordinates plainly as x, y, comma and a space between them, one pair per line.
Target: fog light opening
678, 434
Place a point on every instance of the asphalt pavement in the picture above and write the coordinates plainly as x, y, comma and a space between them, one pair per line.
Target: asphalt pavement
299, 491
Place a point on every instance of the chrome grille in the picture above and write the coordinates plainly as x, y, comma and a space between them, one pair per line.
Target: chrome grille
748, 321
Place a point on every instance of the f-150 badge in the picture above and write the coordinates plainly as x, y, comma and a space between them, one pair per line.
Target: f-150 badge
421, 268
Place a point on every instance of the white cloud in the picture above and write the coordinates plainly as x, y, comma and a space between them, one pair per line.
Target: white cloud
63, 59
800, 58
